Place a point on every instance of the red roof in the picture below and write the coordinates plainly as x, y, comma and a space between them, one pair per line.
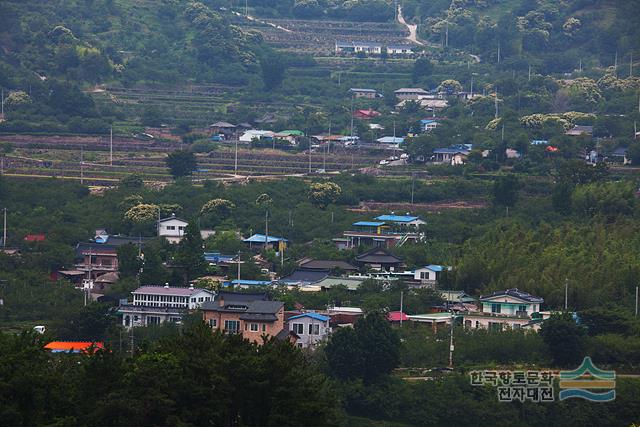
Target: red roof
34, 238
395, 316
366, 113
73, 346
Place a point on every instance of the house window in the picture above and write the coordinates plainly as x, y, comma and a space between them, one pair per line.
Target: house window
153, 320
200, 299
522, 308
314, 329
171, 227
175, 319
264, 328
516, 326
496, 308
298, 328
495, 326
424, 275
213, 323
477, 324
253, 327
181, 228
232, 325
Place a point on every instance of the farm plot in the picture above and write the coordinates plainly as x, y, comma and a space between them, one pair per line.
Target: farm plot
319, 36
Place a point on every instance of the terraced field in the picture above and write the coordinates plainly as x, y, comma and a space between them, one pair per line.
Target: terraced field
87, 158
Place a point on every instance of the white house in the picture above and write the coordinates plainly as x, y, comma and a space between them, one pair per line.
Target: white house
153, 305
172, 228
429, 274
252, 134
512, 308
311, 328
403, 49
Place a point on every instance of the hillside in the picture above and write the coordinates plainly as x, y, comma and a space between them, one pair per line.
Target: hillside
93, 41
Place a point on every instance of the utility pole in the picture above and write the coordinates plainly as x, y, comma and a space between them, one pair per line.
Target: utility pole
352, 98
2, 111
309, 156
529, 73
412, 185
111, 146
502, 137
401, 304
498, 51
81, 165
446, 35
4, 230
246, 7
615, 65
566, 294
636, 301
496, 103
471, 90
238, 266
580, 66
266, 228
631, 65
235, 166
451, 341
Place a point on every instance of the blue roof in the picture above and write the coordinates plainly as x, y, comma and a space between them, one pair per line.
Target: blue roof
397, 218
251, 282
390, 140
316, 316
368, 223
449, 151
435, 267
261, 238
218, 257
539, 142
427, 121
102, 239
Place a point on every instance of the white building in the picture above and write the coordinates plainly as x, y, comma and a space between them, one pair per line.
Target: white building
403, 49
153, 305
429, 274
311, 328
252, 134
172, 228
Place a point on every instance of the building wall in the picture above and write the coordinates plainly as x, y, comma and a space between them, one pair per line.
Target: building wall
487, 322
271, 328
369, 95
306, 339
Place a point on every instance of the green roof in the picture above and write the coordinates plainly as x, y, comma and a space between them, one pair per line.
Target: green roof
291, 132
329, 282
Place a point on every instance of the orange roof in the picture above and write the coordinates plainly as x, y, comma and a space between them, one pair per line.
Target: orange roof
72, 346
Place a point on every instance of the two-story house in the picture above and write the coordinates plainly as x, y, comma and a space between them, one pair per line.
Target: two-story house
309, 328
100, 255
511, 308
249, 314
172, 228
153, 305
429, 274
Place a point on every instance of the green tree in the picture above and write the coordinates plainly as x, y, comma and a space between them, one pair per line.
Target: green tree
369, 351
505, 190
273, 68
129, 262
153, 270
151, 117
181, 163
323, 194
131, 182
189, 256
421, 68
564, 338
634, 153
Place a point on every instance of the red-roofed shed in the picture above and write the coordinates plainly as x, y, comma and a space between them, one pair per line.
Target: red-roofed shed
73, 346
396, 316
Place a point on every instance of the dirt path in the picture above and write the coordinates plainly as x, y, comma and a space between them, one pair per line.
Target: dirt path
413, 29
251, 18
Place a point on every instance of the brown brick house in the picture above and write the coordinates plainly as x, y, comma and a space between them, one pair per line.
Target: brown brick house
249, 314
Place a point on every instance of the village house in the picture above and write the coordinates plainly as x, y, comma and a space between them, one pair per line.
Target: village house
374, 233
427, 125
153, 305
310, 329
363, 93
366, 114
259, 242
379, 259
407, 93
250, 314
224, 128
430, 274
578, 130
100, 256
400, 49
511, 308
172, 228
454, 155
358, 46
402, 220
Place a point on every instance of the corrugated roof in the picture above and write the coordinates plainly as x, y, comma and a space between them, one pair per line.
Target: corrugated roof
315, 316
513, 292
261, 238
171, 290
368, 223
251, 282
397, 218
72, 346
